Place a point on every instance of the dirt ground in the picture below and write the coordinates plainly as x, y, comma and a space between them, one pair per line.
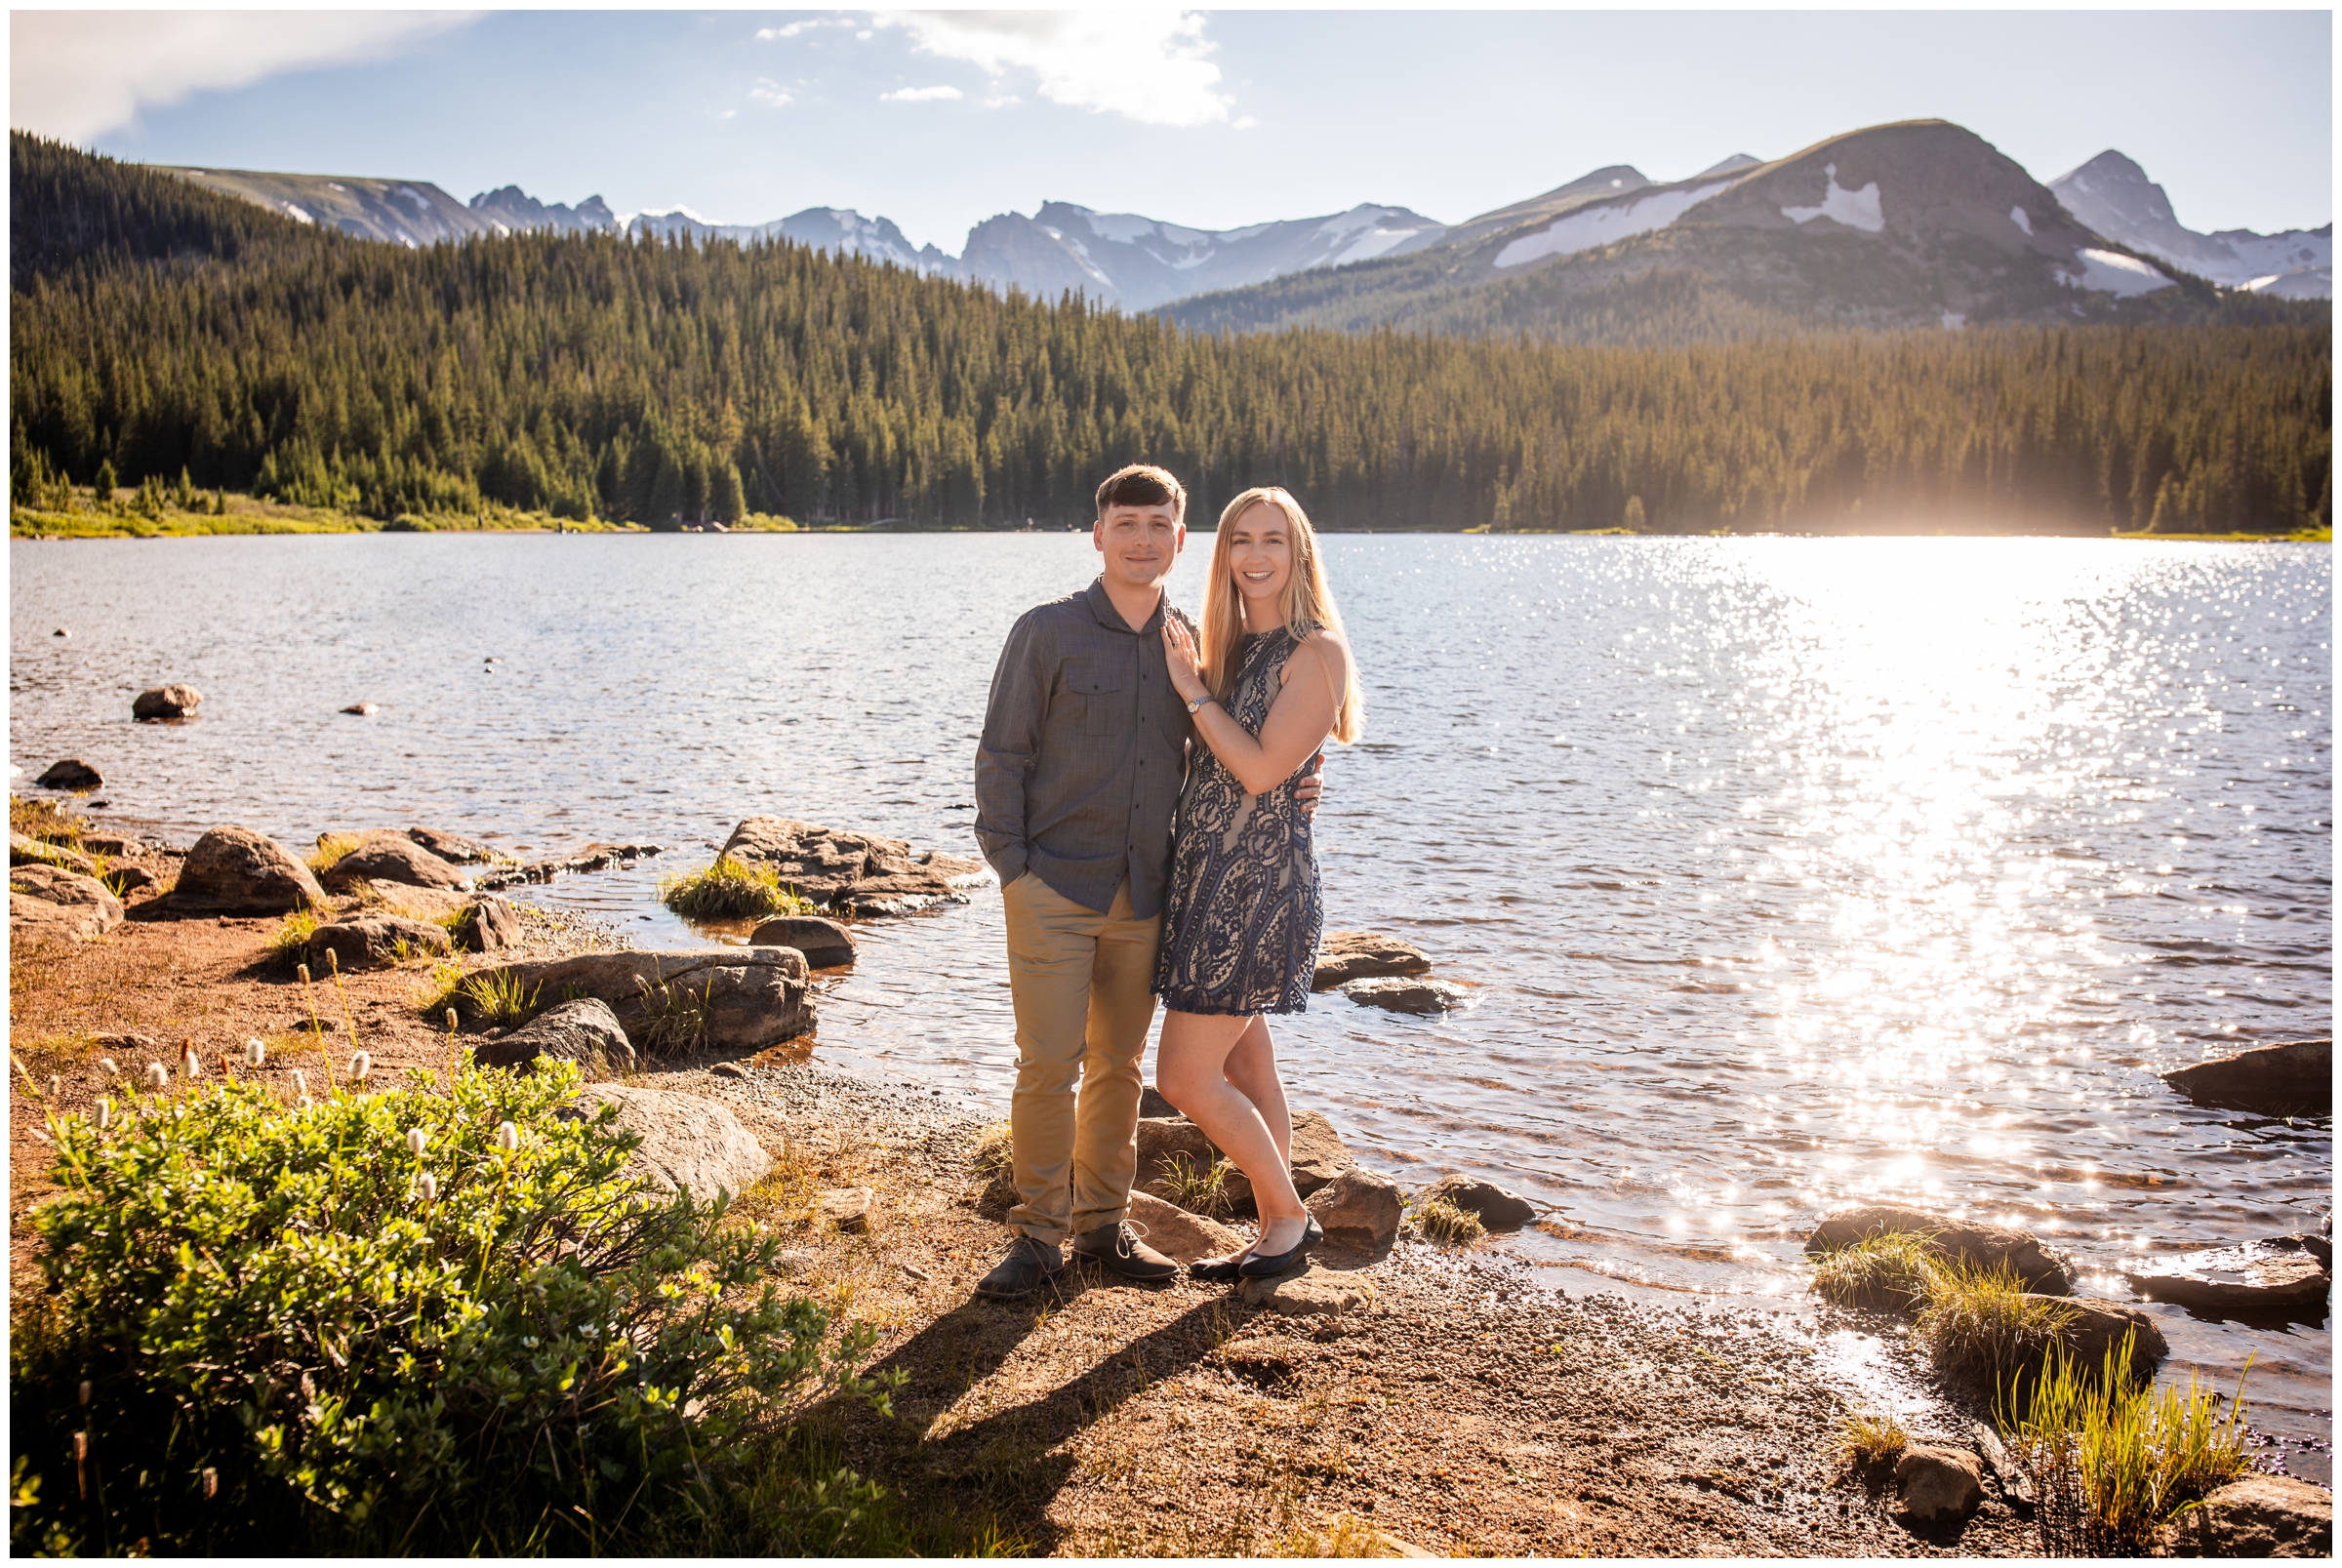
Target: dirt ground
1460, 1408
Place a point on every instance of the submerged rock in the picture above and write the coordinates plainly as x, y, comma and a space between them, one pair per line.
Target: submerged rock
234, 870
584, 1031
452, 848
825, 943
1347, 956
857, 874
1984, 1246
2291, 1078
166, 702
375, 941
388, 857
49, 904
594, 857
2257, 1276
72, 774
1405, 994
731, 999
687, 1143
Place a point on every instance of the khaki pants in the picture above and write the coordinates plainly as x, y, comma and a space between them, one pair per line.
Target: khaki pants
1080, 982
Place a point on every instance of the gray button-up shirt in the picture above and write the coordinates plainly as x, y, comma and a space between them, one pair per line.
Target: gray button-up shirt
1084, 746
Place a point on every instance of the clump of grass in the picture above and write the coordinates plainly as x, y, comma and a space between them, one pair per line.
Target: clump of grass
672, 1018
442, 992
1980, 1322
1438, 1220
995, 1150
1196, 1188
498, 997
1870, 1443
731, 890
291, 944
2114, 1462
1889, 1269
45, 820
1346, 1537
331, 849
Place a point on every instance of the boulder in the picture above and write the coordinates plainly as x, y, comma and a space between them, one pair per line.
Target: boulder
47, 902
687, 1143
386, 856
1405, 994
1359, 1208
2099, 1326
166, 702
234, 870
488, 924
856, 873
1347, 956
2257, 1516
2257, 1276
728, 999
124, 879
1153, 1103
23, 850
374, 942
825, 943
2291, 1078
1939, 1485
1178, 1234
1163, 1139
1981, 1245
452, 848
584, 1031
1499, 1208
1318, 1154
72, 774
1312, 1293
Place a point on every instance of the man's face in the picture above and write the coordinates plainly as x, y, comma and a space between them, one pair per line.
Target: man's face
1139, 544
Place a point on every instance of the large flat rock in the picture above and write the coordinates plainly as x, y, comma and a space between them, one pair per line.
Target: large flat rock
50, 904
2255, 1277
1347, 956
731, 999
234, 870
387, 856
1178, 1234
854, 873
1987, 1246
687, 1144
2290, 1078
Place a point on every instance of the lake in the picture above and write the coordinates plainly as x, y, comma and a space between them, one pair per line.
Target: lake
1782, 872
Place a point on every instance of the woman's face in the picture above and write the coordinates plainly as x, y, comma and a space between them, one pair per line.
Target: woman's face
1260, 557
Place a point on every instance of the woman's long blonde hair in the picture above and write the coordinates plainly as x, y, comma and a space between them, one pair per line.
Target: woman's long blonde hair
1307, 605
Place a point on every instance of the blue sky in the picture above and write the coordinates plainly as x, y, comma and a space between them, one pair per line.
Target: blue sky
1213, 119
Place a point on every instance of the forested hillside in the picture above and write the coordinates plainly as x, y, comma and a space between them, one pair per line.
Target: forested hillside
160, 328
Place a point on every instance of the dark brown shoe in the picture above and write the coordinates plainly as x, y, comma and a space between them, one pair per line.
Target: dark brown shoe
1119, 1248
1029, 1266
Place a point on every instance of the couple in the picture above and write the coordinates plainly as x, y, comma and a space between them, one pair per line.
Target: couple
1108, 714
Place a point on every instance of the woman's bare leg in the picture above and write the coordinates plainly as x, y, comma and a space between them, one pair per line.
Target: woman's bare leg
1252, 1068
1192, 1068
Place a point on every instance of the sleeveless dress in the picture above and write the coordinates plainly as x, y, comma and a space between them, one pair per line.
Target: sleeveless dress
1241, 924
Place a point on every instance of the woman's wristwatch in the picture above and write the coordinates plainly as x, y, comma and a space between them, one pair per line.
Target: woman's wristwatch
1199, 703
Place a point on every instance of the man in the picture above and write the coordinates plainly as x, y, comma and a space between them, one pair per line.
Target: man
1084, 747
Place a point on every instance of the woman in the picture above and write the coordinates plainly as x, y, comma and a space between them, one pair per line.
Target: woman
1271, 681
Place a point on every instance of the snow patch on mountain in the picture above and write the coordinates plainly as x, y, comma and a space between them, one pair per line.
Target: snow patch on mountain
2113, 197
1856, 208
2017, 215
1589, 227
2111, 272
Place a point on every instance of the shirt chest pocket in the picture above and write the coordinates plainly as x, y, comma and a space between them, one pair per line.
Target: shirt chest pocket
1097, 687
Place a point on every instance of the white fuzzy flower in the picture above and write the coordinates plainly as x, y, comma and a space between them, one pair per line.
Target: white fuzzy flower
158, 1076
300, 1083
306, 1102
360, 1064
105, 1065
190, 1065
427, 1186
106, 1115
417, 1141
255, 1054
508, 1137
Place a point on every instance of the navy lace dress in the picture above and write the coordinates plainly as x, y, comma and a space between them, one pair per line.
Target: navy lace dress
1240, 928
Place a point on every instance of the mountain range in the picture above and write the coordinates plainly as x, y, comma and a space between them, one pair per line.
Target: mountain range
1916, 223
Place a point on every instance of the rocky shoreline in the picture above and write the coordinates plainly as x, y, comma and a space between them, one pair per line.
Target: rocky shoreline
1428, 1398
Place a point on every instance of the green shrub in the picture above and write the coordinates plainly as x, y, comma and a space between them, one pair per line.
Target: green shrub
1982, 1323
731, 890
1891, 1268
2113, 1461
291, 944
292, 1342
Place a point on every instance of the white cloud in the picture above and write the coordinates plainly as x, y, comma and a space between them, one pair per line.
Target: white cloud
1146, 66
1248, 123
769, 93
78, 75
766, 35
1006, 101
919, 95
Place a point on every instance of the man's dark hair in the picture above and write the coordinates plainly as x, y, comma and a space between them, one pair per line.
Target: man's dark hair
1143, 484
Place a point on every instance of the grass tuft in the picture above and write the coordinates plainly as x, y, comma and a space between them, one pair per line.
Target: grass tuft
331, 848
498, 997
731, 890
2113, 1461
291, 944
1439, 1220
1980, 1322
1868, 1442
674, 1020
995, 1150
45, 820
1891, 1268
1196, 1189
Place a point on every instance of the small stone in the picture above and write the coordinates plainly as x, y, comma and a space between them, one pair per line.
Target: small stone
49, 903
387, 856
1939, 1483
72, 774
2098, 1327
689, 1142
451, 847
1153, 1104
375, 941
61, 633
361, 709
584, 1031
1415, 995
1312, 1293
488, 925
729, 1069
26, 851
130, 878
825, 943
1359, 1208
1499, 1208
166, 702
916, 1271
1984, 1246
846, 1207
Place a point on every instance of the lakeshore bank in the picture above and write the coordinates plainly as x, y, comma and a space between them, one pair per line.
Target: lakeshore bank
1439, 1402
